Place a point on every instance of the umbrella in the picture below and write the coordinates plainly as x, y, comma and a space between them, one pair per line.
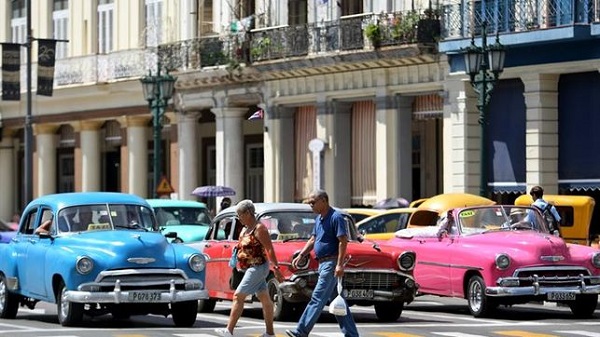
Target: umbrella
213, 191
391, 203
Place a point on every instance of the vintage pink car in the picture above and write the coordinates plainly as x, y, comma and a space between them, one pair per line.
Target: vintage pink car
375, 275
501, 255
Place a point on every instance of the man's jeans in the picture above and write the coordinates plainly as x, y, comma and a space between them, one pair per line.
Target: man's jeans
322, 293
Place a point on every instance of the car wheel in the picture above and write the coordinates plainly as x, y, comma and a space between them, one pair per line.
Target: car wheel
69, 313
283, 310
184, 313
206, 306
389, 311
9, 302
480, 305
584, 305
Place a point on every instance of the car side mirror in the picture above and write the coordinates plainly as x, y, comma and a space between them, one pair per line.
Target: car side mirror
171, 235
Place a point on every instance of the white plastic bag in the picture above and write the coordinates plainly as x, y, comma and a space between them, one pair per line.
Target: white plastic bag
338, 305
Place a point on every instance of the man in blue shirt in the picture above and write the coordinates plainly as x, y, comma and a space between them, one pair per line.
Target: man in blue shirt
537, 194
329, 239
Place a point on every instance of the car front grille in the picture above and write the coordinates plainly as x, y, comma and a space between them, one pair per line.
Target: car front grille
558, 276
141, 279
366, 280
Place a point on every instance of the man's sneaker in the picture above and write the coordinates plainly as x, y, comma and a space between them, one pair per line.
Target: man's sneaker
291, 333
223, 332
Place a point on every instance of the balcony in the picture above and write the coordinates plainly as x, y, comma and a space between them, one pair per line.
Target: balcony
273, 44
518, 21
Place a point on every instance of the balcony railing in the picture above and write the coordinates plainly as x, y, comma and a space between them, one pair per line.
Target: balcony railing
463, 18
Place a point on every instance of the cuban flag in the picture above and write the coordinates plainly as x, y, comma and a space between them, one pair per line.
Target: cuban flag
257, 115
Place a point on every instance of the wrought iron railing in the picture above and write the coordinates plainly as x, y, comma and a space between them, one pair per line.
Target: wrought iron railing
463, 18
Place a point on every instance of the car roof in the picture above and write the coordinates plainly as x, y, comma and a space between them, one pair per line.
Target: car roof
175, 203
62, 200
408, 210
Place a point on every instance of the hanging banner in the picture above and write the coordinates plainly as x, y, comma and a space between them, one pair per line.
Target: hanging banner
11, 72
46, 60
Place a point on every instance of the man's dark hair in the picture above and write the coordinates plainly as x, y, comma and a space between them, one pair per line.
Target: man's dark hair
536, 192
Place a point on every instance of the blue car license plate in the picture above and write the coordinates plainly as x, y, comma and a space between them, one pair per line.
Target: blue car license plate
554, 296
144, 296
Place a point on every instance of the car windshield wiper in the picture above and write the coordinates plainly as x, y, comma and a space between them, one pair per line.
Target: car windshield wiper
136, 227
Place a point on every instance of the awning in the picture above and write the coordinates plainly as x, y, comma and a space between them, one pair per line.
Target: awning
580, 185
428, 107
508, 187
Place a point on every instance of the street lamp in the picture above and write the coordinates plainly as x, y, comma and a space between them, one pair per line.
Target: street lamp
484, 65
158, 90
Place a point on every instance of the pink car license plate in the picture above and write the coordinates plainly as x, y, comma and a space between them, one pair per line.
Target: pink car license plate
561, 296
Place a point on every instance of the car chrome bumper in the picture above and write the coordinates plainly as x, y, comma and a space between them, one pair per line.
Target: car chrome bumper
537, 290
298, 288
86, 293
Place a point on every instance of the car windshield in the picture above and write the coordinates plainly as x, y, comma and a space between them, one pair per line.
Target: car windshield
105, 217
296, 225
172, 216
498, 217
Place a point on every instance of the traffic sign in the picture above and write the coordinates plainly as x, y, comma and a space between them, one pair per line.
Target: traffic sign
164, 187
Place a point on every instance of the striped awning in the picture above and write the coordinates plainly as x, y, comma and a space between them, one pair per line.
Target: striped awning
428, 106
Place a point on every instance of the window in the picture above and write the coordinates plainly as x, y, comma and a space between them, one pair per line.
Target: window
255, 163
297, 14
153, 23
60, 26
106, 10
18, 24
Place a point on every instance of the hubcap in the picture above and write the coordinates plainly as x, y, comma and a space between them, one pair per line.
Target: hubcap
64, 304
2, 294
475, 296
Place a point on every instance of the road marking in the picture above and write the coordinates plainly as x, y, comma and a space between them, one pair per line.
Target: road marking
456, 334
580, 333
395, 334
520, 333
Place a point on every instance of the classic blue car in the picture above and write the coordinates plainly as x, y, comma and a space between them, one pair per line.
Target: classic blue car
99, 253
190, 220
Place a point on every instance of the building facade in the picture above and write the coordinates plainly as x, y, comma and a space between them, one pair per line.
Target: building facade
366, 99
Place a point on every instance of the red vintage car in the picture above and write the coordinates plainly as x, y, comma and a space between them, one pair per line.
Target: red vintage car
375, 274
502, 255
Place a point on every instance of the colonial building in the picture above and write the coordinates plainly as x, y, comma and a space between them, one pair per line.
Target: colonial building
366, 99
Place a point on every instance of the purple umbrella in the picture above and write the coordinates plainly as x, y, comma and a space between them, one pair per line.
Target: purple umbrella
213, 191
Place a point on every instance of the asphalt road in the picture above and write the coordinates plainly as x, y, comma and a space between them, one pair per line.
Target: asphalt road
427, 316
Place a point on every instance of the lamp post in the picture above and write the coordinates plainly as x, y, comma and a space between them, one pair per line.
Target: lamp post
158, 90
484, 65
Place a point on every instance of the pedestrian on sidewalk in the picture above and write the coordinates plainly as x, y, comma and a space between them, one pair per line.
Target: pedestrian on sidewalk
329, 239
255, 249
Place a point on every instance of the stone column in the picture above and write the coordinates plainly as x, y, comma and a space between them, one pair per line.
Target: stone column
230, 148
136, 165
187, 131
7, 175
461, 137
279, 154
90, 159
333, 125
45, 168
394, 146
541, 139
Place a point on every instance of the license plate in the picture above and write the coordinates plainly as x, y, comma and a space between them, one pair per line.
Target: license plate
360, 293
561, 296
144, 296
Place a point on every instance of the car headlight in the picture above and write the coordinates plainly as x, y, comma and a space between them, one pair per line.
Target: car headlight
84, 265
303, 262
596, 259
502, 261
406, 261
197, 262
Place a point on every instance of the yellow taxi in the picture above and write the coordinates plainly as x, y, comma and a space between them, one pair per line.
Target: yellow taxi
362, 213
383, 226
575, 212
431, 209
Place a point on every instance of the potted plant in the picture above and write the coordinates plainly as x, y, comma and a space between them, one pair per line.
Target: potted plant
428, 27
373, 33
